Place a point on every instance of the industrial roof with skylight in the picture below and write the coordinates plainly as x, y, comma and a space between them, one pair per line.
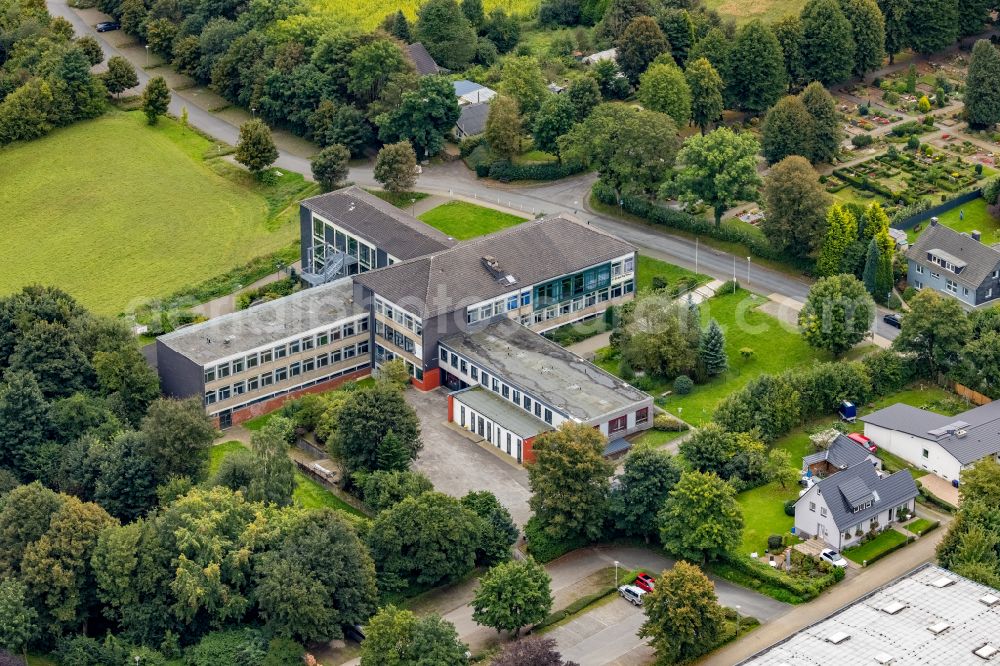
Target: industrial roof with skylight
929, 617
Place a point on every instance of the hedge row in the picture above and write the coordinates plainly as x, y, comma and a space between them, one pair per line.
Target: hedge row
878, 556
760, 576
678, 219
543, 547
506, 172
934, 500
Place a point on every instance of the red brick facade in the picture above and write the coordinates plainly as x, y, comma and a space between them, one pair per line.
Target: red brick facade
527, 454
432, 380
242, 414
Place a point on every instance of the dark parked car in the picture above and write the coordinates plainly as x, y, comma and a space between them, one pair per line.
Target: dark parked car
108, 26
894, 320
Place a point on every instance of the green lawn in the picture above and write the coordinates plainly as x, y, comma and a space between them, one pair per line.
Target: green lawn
649, 268
769, 11
399, 199
868, 551
776, 349
919, 526
258, 422
308, 493
654, 439
977, 218
764, 514
462, 220
116, 212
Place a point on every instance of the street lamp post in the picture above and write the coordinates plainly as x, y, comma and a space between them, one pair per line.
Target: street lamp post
737, 621
413, 207
748, 272
147, 55
616, 573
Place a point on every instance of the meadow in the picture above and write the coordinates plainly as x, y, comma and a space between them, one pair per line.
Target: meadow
769, 11
370, 14
116, 212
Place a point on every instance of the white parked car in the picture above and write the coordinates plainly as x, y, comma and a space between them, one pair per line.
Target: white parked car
833, 557
632, 594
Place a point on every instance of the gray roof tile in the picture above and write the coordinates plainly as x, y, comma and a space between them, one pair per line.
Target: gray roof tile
843, 453
981, 259
423, 62
981, 426
378, 221
892, 491
472, 118
533, 252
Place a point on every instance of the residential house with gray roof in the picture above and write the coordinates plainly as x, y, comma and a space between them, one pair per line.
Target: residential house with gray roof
842, 508
943, 445
955, 264
472, 119
422, 60
842, 453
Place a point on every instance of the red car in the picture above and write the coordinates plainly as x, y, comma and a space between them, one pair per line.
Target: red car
645, 582
864, 441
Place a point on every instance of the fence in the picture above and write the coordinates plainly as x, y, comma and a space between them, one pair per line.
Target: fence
972, 396
914, 220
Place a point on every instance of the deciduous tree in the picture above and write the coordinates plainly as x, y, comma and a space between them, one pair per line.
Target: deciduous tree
639, 45
155, 99
570, 481
25, 515
795, 205
556, 117
423, 117
684, 618
719, 168
868, 30
50, 352
982, 86
533, 651
498, 532
788, 130
343, 124
274, 472
973, 15
584, 94
256, 150
826, 124
934, 331
124, 376
790, 35
781, 469
663, 88
18, 619
425, 540
837, 315
932, 25
383, 489
366, 417
521, 78
395, 637
446, 33
512, 595
127, 477
706, 93
701, 519
177, 435
755, 75
330, 166
503, 127
980, 367
828, 45
897, 32
647, 478
24, 419
619, 14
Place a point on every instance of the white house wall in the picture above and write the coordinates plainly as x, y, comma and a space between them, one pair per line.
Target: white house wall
814, 523
910, 448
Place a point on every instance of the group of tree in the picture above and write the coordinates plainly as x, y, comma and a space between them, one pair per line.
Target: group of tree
941, 337
806, 124
971, 547
45, 78
663, 337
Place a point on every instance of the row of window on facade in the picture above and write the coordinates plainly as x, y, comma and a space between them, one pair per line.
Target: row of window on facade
284, 390
485, 429
327, 234
383, 355
494, 384
395, 337
507, 304
398, 315
284, 373
265, 356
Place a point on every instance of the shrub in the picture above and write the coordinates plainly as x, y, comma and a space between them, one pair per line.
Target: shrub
506, 172
862, 140
894, 303
728, 287
668, 423
909, 293
235, 646
683, 385
790, 507
775, 542
470, 143
777, 584
543, 547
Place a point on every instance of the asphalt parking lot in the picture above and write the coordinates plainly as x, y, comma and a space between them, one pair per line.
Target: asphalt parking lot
604, 635
456, 465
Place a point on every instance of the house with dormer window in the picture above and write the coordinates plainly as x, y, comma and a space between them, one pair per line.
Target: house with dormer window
842, 508
956, 264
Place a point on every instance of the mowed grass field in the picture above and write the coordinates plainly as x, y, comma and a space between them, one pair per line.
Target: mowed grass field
463, 221
115, 212
369, 13
744, 10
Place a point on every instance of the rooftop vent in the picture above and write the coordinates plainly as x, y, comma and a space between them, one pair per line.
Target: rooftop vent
961, 433
939, 628
883, 658
990, 600
838, 638
986, 652
976, 236
941, 582
350, 208
499, 274
893, 608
